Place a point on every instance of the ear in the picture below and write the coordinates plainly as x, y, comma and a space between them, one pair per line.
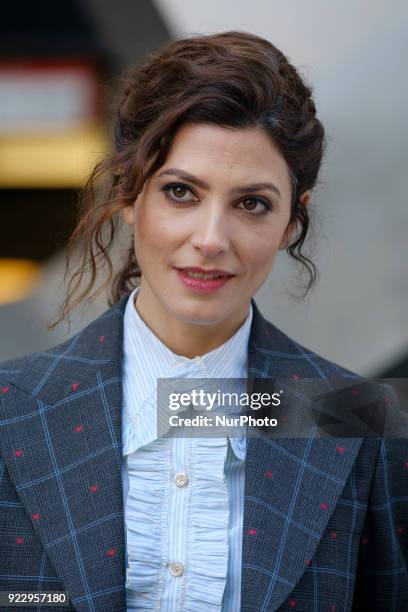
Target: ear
287, 236
291, 230
128, 214
305, 197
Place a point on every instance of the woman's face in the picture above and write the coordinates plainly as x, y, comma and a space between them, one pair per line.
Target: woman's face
221, 201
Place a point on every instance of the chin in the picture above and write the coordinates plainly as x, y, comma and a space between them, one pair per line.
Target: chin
199, 314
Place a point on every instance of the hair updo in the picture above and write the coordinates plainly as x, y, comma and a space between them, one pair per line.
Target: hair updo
231, 79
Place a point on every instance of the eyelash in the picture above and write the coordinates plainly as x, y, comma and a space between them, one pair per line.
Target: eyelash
167, 188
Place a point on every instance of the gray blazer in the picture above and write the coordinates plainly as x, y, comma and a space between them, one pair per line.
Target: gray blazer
325, 519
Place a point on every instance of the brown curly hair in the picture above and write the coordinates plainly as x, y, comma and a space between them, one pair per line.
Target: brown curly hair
231, 79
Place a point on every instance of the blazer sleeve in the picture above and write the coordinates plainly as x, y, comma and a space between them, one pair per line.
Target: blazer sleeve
382, 572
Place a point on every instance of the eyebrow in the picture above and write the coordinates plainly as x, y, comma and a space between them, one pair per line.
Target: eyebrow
204, 185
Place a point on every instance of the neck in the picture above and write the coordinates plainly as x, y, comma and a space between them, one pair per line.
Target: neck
183, 338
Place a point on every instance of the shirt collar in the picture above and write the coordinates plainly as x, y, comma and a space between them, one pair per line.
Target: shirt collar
147, 358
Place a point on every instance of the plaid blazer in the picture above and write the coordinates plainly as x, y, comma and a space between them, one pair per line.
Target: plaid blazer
325, 519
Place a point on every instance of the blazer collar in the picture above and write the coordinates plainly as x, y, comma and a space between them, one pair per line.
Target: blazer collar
283, 518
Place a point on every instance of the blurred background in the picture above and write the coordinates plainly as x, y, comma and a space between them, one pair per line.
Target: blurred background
60, 64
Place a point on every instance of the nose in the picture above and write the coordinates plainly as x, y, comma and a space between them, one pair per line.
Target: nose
211, 234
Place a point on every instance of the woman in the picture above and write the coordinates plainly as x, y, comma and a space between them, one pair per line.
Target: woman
217, 148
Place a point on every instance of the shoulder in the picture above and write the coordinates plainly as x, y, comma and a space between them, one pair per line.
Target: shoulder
11, 368
372, 404
95, 345
284, 355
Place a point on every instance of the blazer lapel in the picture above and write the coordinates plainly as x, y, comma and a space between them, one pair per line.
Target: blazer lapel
61, 439
291, 484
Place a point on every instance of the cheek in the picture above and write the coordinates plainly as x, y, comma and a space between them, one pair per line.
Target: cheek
156, 233
261, 249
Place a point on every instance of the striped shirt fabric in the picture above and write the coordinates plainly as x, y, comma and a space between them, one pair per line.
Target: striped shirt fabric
183, 497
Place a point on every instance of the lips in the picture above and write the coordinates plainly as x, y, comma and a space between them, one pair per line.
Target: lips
216, 273
203, 283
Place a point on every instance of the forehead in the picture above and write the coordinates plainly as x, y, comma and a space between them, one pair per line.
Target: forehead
231, 154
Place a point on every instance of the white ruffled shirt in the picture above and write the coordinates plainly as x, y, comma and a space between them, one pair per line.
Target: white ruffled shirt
183, 497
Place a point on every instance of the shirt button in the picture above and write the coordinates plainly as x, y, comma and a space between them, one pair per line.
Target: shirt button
176, 569
181, 479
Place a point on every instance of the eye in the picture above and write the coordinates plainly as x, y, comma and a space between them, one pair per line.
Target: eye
265, 206
177, 192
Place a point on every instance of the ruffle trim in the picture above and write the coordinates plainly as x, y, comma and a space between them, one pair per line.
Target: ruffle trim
146, 503
207, 564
